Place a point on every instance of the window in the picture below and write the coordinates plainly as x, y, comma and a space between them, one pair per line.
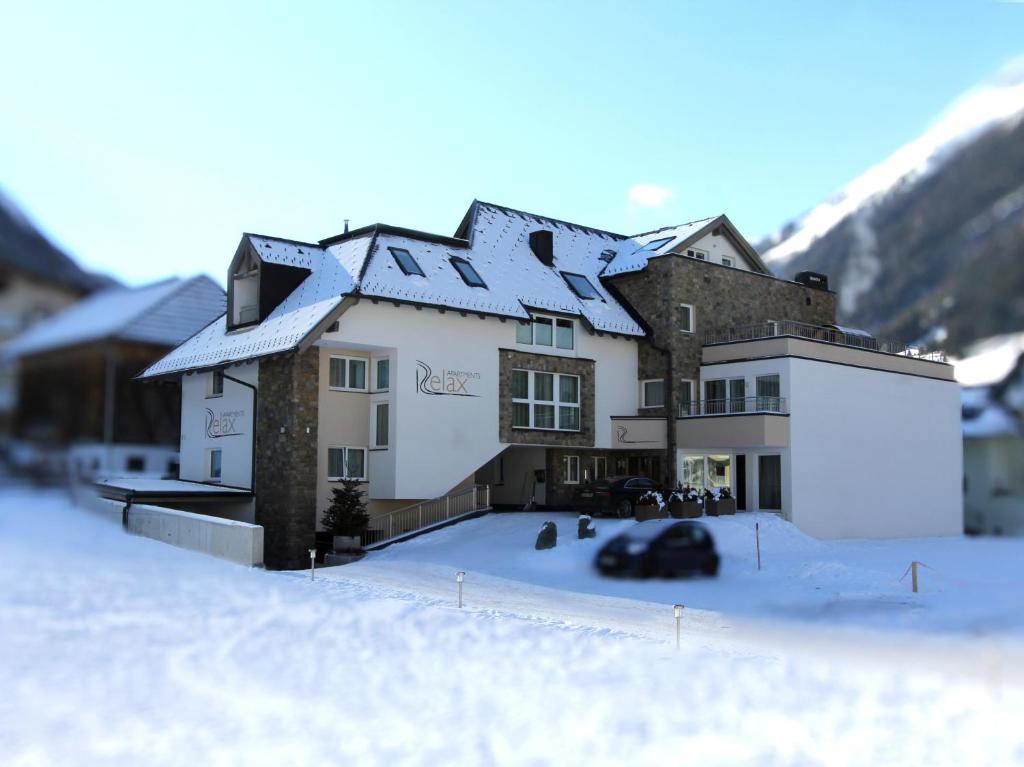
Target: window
700, 255
737, 395
135, 463
768, 393
769, 472
406, 262
216, 387
656, 244
714, 397
383, 373
652, 393
726, 261
686, 404
600, 467
581, 286
725, 396
380, 426
468, 273
547, 331
545, 401
571, 469
687, 318
213, 465
348, 373
346, 463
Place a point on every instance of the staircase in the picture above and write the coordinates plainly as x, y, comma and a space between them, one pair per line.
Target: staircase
418, 518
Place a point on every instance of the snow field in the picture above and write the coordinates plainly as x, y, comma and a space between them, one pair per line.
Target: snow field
116, 649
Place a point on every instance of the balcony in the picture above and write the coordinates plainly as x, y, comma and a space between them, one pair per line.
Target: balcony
830, 335
736, 422
733, 406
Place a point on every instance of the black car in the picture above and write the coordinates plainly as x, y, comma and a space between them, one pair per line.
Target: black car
660, 548
614, 495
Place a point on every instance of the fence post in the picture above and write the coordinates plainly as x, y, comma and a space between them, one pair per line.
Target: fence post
487, 495
913, 574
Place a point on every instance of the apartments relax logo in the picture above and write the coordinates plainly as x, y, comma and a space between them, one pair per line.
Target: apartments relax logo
451, 383
223, 425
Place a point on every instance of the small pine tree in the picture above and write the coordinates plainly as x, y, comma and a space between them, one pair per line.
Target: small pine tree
347, 513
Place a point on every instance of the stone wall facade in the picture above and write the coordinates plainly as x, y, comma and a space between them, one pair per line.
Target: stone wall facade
286, 458
511, 359
559, 493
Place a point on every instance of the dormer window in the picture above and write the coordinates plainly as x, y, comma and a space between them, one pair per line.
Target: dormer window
468, 273
406, 262
245, 286
581, 286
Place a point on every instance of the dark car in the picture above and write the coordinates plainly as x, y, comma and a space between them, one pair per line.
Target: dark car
614, 495
661, 549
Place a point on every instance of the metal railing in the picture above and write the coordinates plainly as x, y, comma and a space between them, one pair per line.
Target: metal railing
772, 328
733, 405
408, 519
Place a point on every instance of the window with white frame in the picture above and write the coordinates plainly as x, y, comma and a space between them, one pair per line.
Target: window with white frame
213, 464
700, 255
726, 261
547, 331
571, 469
381, 424
215, 387
687, 318
545, 401
687, 405
346, 463
382, 374
348, 373
652, 393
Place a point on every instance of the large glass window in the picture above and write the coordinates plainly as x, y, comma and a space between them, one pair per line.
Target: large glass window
348, 373
768, 393
545, 401
547, 331
542, 331
564, 334
380, 432
383, 374
769, 472
713, 472
714, 397
346, 463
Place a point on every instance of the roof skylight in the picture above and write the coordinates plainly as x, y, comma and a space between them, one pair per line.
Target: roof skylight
406, 262
656, 244
580, 285
468, 273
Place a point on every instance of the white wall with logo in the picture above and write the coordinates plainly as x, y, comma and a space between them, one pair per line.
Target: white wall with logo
444, 390
223, 423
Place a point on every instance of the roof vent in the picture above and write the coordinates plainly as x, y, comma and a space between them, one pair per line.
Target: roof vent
607, 255
346, 226
812, 280
542, 243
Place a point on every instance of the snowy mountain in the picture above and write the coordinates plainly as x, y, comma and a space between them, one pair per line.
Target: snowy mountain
928, 244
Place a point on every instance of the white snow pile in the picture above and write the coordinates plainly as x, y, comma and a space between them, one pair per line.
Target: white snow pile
989, 361
1000, 101
119, 650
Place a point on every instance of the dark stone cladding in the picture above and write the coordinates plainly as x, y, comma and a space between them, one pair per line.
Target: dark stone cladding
512, 359
722, 298
286, 460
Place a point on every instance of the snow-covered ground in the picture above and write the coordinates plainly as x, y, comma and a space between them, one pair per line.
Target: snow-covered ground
116, 649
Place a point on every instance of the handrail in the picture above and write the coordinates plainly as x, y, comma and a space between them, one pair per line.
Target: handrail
733, 405
772, 328
425, 513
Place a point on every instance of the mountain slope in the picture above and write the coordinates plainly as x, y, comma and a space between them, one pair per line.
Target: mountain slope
23, 248
929, 244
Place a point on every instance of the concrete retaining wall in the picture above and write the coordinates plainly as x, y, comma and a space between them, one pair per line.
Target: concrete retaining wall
227, 539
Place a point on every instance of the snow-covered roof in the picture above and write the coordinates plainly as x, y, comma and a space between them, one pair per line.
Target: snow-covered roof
634, 253
163, 313
985, 416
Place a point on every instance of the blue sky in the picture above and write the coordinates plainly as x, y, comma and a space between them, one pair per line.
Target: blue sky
145, 137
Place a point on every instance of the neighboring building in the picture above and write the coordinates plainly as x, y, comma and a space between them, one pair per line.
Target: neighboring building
994, 455
75, 378
36, 281
529, 354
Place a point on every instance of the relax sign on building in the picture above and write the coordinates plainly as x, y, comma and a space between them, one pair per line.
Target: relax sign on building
443, 382
226, 423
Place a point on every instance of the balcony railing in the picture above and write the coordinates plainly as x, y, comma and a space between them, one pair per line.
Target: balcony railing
772, 328
733, 406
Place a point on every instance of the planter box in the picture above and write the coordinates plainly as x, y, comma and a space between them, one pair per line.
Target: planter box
692, 509
677, 509
650, 511
726, 506
711, 507
347, 543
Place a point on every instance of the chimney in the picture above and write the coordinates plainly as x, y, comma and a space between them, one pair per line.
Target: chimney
346, 226
542, 245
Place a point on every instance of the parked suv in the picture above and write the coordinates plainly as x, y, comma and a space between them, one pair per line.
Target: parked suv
612, 496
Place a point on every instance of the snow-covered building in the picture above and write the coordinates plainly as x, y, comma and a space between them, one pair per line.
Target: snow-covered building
994, 454
75, 372
524, 355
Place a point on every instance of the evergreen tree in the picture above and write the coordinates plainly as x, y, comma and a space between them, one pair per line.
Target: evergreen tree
347, 513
